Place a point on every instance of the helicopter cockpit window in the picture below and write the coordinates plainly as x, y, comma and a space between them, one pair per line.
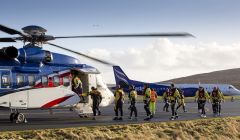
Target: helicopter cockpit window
56, 81
20, 80
66, 81
5, 80
44, 80
31, 80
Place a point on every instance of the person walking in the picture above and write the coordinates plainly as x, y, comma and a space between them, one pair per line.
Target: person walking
173, 97
132, 99
96, 100
119, 100
152, 104
166, 100
216, 99
181, 101
146, 100
201, 97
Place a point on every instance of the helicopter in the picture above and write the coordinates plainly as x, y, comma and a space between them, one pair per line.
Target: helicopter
34, 78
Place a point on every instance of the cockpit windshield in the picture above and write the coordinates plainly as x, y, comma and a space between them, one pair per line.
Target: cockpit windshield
231, 87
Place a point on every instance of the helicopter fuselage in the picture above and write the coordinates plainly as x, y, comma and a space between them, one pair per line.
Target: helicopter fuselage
42, 79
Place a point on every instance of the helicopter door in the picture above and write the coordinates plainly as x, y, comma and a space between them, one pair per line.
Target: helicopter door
92, 82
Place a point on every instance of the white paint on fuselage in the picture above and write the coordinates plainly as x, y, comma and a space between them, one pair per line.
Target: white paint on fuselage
36, 98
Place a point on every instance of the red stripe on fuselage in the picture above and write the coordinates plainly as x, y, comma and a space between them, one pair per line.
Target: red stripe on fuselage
54, 102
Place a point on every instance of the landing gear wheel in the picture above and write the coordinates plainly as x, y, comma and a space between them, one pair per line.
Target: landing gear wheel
12, 116
20, 118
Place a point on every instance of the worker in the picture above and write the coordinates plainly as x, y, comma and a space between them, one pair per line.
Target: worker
152, 104
173, 98
181, 101
201, 97
96, 98
166, 100
119, 100
77, 86
146, 100
132, 99
216, 99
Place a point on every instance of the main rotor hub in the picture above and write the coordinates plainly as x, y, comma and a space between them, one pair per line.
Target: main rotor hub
34, 30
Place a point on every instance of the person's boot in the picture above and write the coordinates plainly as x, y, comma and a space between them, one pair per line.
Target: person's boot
99, 113
172, 118
147, 119
120, 118
115, 118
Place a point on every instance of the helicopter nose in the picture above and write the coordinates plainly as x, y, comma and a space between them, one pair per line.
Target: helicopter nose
237, 92
110, 97
234, 92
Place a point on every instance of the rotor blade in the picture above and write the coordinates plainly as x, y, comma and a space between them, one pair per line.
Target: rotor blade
10, 30
7, 40
84, 55
132, 35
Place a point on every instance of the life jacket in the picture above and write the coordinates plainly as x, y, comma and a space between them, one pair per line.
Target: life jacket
173, 90
153, 96
181, 96
201, 94
172, 95
119, 95
167, 94
215, 93
133, 94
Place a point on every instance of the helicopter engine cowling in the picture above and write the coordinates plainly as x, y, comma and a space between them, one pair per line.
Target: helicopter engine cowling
9, 52
32, 55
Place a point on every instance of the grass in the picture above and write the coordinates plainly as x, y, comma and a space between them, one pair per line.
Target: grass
217, 128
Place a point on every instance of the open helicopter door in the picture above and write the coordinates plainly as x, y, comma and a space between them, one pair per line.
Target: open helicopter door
88, 80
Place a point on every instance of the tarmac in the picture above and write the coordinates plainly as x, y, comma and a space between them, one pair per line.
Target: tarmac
64, 118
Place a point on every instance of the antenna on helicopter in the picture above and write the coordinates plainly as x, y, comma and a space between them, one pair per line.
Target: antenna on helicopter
36, 35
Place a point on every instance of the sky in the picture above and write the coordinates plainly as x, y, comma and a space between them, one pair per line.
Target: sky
215, 23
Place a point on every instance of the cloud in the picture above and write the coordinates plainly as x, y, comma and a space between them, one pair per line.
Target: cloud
165, 59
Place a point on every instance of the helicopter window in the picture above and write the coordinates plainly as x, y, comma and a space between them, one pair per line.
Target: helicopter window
20, 80
5, 80
56, 81
31, 80
44, 80
66, 81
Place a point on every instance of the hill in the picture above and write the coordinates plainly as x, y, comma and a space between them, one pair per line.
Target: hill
230, 76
